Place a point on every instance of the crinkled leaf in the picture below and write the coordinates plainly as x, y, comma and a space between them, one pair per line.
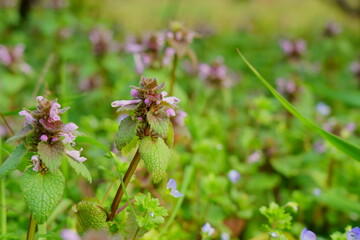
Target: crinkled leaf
80, 168
133, 144
22, 133
159, 123
127, 109
344, 146
90, 217
42, 192
132, 228
156, 155
126, 132
51, 154
13, 160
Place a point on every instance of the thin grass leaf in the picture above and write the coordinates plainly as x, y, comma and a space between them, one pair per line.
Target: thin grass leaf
346, 147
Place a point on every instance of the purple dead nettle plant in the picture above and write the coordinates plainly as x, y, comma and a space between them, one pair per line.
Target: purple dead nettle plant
148, 130
216, 74
44, 142
295, 49
102, 41
12, 58
289, 88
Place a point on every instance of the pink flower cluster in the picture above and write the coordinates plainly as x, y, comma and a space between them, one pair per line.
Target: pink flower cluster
12, 58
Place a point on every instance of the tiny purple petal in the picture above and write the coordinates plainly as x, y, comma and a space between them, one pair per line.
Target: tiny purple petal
28, 117
164, 93
139, 65
68, 137
207, 229
147, 101
54, 110
54, 139
76, 155
307, 235
170, 112
44, 138
70, 127
176, 193
171, 100
134, 93
234, 176
171, 184
39, 98
68, 234
140, 119
323, 109
36, 163
353, 234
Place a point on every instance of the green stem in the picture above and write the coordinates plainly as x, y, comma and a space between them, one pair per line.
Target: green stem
126, 180
42, 230
31, 229
173, 74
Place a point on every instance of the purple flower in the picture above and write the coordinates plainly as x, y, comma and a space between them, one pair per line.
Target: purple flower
44, 138
68, 234
134, 93
317, 192
254, 157
36, 163
147, 101
54, 111
319, 147
225, 236
353, 234
172, 186
76, 155
293, 49
234, 176
307, 235
179, 118
323, 109
28, 117
170, 112
171, 100
207, 229
332, 29
216, 74
122, 103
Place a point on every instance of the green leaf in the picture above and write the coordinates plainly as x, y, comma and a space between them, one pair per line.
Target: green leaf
132, 229
126, 132
42, 192
80, 168
337, 199
13, 160
51, 154
90, 217
92, 141
349, 97
133, 144
156, 155
159, 123
346, 147
22, 133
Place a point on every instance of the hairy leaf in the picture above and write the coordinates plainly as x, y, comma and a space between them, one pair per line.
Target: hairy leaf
159, 123
13, 160
344, 146
42, 192
51, 154
126, 132
156, 155
22, 133
170, 136
90, 217
80, 168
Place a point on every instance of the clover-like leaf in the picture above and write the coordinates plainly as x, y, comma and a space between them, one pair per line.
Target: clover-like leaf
42, 192
51, 154
13, 160
90, 217
159, 122
126, 132
156, 155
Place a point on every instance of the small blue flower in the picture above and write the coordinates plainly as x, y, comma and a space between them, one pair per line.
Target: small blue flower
172, 185
225, 236
234, 176
307, 235
207, 229
353, 234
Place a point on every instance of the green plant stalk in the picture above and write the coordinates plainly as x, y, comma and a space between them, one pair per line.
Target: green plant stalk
42, 230
31, 229
2, 199
173, 75
126, 180
187, 177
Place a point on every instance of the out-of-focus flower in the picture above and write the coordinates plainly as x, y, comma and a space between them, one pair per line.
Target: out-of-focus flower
216, 74
307, 235
234, 176
12, 58
288, 88
293, 49
36, 163
207, 229
91, 82
225, 236
68, 234
319, 147
254, 157
317, 191
173, 189
102, 41
274, 235
323, 109
178, 120
353, 234
355, 69
180, 38
332, 29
